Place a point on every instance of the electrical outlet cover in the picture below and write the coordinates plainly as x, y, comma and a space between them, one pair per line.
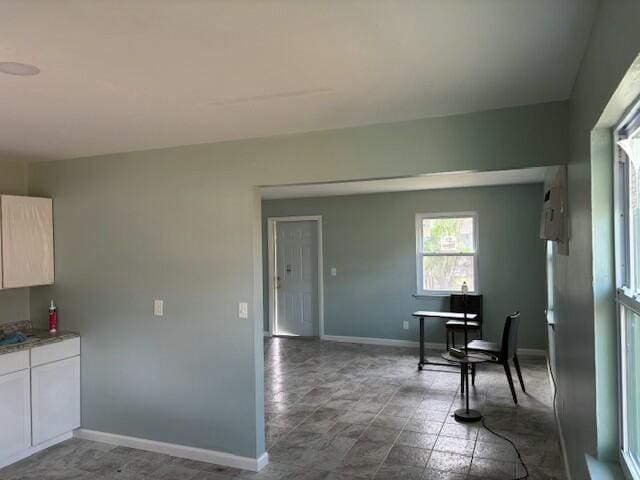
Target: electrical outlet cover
158, 308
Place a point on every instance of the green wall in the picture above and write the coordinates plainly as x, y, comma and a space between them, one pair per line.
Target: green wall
588, 415
183, 224
14, 302
370, 239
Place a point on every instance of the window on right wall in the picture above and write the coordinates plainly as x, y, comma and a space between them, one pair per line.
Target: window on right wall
627, 237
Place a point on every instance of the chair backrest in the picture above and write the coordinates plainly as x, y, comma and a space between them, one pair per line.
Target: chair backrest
510, 336
474, 304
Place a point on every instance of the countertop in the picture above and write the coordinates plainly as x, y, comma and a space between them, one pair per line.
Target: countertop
37, 337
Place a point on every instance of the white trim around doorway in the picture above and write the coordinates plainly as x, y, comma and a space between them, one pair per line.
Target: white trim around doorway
271, 228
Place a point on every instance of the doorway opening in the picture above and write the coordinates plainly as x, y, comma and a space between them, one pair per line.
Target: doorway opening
296, 299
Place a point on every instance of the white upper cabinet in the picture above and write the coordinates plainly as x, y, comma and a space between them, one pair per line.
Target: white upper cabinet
27, 241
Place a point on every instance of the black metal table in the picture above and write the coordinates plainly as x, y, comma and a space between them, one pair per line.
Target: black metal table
465, 414
421, 315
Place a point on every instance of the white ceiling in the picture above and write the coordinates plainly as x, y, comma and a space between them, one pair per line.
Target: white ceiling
424, 182
120, 76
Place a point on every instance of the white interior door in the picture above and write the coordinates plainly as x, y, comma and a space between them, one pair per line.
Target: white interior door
297, 278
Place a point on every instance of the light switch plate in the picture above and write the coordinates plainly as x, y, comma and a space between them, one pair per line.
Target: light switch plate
334, 271
405, 324
158, 307
243, 310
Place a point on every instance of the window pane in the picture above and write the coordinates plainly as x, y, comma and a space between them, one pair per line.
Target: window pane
447, 235
631, 359
446, 273
631, 146
633, 220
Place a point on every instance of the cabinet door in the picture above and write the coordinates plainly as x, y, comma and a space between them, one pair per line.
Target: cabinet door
27, 241
15, 414
55, 403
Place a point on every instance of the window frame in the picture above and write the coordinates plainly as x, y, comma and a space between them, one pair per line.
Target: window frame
627, 295
420, 254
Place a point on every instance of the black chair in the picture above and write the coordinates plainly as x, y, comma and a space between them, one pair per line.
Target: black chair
474, 305
504, 352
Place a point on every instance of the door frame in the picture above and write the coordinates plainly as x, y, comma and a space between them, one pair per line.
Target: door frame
271, 253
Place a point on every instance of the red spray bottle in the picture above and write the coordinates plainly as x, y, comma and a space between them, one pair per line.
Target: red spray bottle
53, 318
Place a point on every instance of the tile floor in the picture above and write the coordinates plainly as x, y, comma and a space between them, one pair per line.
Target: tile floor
362, 411
84, 460
342, 411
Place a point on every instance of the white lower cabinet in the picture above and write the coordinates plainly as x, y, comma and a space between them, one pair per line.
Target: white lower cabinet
39, 398
15, 415
55, 401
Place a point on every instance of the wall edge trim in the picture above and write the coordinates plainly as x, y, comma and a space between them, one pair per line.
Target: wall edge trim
563, 445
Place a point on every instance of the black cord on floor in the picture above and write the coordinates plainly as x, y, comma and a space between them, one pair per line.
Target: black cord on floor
526, 470
553, 378
555, 394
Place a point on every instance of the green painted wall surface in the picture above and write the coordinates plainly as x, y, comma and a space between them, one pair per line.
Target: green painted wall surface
131, 229
605, 320
14, 302
183, 224
371, 240
614, 43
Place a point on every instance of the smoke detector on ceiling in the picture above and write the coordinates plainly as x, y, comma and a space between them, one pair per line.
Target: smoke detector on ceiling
20, 69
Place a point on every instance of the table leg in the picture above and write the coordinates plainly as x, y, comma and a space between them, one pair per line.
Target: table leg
466, 384
422, 362
466, 414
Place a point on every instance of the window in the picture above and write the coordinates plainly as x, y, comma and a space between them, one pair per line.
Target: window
447, 250
627, 199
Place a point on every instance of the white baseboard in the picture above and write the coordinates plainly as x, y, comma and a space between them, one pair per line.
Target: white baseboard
182, 451
409, 343
38, 448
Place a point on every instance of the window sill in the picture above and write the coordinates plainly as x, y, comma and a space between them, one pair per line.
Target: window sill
599, 470
439, 294
430, 295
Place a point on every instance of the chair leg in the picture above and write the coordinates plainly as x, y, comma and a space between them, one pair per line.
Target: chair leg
507, 371
473, 375
453, 339
517, 364
447, 340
